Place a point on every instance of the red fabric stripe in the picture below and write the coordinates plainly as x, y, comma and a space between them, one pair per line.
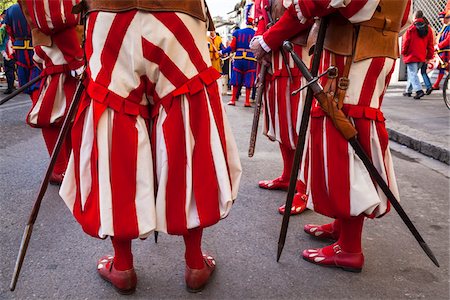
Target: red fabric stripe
338, 172
318, 186
368, 88
89, 218
184, 37
174, 136
282, 83
353, 8
113, 43
55, 14
165, 64
386, 83
40, 11
123, 176
216, 107
204, 179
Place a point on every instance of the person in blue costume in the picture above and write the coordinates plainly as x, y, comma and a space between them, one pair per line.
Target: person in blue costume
244, 66
20, 34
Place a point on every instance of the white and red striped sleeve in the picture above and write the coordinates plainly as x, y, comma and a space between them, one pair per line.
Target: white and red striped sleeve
355, 11
52, 16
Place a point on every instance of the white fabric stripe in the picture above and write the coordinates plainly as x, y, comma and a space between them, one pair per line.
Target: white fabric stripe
145, 192
277, 117
287, 97
36, 14
129, 59
339, 3
155, 31
34, 113
325, 152
363, 195
161, 173
378, 162
99, 34
163, 85
220, 165
60, 101
104, 130
197, 29
366, 12
87, 143
357, 75
68, 191
192, 217
47, 14
234, 163
63, 11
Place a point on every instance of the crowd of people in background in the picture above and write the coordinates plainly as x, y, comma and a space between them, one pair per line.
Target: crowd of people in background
6, 54
420, 47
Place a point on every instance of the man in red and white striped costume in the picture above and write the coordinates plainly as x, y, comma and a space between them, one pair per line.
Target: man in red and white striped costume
57, 52
338, 184
152, 148
282, 110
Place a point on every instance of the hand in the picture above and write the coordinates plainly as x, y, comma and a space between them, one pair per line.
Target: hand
220, 52
257, 49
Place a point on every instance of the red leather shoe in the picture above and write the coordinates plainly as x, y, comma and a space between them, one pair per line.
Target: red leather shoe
247, 105
318, 231
275, 184
231, 103
123, 281
352, 262
56, 179
298, 204
196, 280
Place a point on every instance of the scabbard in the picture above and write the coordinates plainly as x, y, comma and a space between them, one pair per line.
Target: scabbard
257, 111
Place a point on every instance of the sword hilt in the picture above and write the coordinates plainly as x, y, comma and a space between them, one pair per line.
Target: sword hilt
330, 70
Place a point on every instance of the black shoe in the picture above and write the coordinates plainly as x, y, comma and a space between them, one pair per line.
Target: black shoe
8, 91
419, 94
407, 94
429, 90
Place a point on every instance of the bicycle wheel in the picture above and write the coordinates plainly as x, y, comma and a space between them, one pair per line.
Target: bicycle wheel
446, 92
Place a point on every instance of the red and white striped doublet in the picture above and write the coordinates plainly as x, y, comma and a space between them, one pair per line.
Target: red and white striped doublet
282, 111
152, 149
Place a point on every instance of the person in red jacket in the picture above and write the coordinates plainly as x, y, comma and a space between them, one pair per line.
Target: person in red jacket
417, 47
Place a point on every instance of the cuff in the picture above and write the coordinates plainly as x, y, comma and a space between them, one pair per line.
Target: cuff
264, 45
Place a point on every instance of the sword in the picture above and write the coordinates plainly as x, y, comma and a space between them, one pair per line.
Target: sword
345, 127
257, 111
301, 138
37, 204
21, 89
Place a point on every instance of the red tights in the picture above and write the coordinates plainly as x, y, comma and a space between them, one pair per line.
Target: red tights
50, 137
123, 256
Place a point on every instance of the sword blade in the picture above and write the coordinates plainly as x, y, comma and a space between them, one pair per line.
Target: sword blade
302, 132
392, 199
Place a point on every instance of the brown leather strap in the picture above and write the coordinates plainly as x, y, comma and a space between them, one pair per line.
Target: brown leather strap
343, 82
193, 8
384, 24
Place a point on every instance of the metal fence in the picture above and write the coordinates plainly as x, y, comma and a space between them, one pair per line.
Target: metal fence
430, 9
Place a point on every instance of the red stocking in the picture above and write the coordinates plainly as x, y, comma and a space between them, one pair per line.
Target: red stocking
50, 137
234, 90
350, 235
193, 243
123, 257
247, 97
288, 158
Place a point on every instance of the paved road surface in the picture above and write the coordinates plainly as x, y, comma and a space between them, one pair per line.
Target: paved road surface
61, 261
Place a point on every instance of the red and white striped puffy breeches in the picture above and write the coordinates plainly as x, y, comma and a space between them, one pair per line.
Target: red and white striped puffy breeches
282, 111
57, 88
152, 148
339, 186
